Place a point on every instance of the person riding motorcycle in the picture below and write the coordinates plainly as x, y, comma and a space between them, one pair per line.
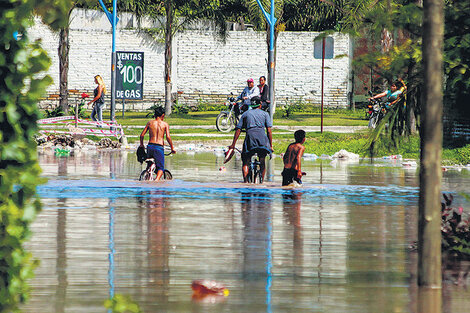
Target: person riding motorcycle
392, 95
248, 93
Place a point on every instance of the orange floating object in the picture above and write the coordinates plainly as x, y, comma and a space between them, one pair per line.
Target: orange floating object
205, 287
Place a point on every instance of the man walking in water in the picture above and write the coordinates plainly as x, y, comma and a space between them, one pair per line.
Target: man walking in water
157, 129
257, 141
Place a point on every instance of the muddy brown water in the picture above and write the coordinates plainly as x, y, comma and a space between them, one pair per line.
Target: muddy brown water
337, 244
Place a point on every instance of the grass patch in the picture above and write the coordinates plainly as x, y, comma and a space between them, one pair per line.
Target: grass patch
317, 143
340, 118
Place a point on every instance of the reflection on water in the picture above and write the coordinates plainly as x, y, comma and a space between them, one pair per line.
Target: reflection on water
338, 244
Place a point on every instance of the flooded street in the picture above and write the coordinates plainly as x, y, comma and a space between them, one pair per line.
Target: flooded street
340, 243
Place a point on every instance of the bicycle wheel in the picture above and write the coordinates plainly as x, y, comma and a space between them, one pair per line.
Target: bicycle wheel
224, 122
258, 176
143, 175
147, 175
167, 175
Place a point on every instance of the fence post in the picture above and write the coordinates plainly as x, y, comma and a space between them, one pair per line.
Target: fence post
76, 115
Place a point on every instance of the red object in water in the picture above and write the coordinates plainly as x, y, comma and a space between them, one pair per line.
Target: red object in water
204, 287
85, 95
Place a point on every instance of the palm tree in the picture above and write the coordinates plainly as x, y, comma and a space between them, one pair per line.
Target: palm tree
175, 15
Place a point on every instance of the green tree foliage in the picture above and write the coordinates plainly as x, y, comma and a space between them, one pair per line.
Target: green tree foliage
394, 51
313, 15
403, 18
457, 55
20, 90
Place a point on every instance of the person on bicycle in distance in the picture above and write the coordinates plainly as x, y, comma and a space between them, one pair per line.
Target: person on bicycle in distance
248, 93
392, 95
258, 139
157, 129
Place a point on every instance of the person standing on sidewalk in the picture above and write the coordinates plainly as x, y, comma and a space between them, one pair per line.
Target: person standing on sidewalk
98, 100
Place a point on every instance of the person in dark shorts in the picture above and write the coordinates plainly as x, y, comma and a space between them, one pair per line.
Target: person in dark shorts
258, 139
158, 130
292, 160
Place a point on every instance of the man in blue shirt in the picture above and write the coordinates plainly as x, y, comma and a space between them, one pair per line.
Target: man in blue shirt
258, 139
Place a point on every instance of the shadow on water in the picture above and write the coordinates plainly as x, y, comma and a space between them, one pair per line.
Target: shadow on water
338, 244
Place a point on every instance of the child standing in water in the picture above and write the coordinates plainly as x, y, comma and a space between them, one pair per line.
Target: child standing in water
292, 160
157, 129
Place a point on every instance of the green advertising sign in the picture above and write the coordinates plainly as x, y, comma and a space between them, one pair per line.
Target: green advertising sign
129, 75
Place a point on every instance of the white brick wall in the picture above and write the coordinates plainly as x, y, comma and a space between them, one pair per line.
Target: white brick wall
202, 64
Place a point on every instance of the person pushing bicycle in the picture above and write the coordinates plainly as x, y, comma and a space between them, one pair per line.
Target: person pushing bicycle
157, 129
258, 139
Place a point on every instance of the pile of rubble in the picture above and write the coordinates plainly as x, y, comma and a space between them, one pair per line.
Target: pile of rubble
49, 141
108, 143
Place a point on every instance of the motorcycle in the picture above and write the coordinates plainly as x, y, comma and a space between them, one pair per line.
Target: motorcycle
376, 110
228, 119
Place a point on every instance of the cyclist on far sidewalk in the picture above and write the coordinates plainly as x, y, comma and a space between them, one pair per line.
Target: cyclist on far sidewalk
157, 129
258, 139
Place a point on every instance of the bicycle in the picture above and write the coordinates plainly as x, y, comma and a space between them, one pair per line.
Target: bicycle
149, 173
254, 170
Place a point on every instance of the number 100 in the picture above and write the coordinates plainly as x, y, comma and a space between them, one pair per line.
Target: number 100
132, 74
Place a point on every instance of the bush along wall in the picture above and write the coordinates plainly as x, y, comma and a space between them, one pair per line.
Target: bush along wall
20, 63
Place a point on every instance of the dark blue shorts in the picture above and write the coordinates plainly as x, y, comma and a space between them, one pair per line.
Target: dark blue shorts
157, 152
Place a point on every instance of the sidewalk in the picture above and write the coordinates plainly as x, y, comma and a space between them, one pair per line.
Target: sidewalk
334, 129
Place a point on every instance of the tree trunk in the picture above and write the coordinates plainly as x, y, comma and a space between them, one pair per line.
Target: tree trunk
412, 99
63, 51
168, 54
429, 224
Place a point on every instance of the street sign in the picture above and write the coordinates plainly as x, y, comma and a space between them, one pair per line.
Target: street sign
328, 44
130, 75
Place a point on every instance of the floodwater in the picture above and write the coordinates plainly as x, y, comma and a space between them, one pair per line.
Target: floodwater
340, 243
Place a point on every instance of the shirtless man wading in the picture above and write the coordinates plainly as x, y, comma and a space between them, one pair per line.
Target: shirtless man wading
157, 129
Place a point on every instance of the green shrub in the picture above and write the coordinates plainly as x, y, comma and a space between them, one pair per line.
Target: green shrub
180, 109
463, 155
205, 106
152, 110
21, 87
57, 111
289, 108
81, 110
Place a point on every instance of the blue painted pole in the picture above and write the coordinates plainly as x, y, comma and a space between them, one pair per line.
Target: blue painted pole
271, 20
113, 65
112, 18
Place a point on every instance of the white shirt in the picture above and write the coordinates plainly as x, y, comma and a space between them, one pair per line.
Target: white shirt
249, 93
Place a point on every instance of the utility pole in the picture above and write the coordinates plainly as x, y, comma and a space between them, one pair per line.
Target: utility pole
112, 18
271, 20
